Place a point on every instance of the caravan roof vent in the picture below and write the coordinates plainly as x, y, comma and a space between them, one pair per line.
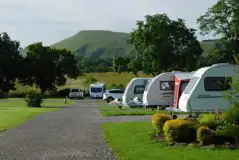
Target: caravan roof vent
220, 64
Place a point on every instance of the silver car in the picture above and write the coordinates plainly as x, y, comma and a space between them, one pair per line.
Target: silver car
76, 93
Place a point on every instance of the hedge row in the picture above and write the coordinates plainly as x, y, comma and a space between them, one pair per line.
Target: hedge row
54, 94
205, 130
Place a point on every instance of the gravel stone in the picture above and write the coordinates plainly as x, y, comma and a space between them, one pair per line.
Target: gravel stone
72, 133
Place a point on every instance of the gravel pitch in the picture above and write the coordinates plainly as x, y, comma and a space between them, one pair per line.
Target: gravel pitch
72, 133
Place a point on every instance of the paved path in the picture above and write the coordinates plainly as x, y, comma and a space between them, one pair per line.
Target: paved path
72, 133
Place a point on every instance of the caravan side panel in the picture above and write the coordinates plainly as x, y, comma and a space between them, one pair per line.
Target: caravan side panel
160, 91
207, 94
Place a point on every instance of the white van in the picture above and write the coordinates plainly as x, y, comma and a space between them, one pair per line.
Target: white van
97, 90
205, 91
159, 91
135, 88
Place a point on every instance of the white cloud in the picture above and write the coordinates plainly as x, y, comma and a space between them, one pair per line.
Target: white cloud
52, 20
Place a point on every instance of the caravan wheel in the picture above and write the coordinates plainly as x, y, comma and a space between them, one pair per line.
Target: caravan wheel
110, 99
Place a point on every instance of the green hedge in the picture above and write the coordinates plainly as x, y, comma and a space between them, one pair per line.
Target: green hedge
179, 130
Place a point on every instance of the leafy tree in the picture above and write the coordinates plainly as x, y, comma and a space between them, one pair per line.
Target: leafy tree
10, 62
208, 59
47, 67
120, 64
161, 44
223, 19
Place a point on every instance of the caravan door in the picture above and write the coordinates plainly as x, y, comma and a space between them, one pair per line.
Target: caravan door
167, 91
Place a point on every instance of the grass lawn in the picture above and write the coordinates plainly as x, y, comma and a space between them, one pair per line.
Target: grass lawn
115, 111
130, 141
14, 111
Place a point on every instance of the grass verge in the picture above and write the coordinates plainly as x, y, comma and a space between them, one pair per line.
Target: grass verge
130, 141
14, 111
115, 111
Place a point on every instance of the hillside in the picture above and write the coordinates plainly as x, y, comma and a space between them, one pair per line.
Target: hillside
97, 43
106, 43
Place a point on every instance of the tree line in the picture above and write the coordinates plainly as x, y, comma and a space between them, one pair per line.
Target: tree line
158, 44
42, 66
161, 44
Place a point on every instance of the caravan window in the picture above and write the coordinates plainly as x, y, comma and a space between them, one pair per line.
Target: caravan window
190, 85
217, 83
183, 86
166, 85
139, 89
96, 90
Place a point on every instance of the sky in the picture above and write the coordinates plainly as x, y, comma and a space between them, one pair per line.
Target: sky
50, 21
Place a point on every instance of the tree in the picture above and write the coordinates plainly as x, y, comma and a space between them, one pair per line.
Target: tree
10, 62
161, 44
47, 68
223, 19
213, 57
120, 64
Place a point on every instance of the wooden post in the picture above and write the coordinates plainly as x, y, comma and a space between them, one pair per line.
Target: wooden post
65, 101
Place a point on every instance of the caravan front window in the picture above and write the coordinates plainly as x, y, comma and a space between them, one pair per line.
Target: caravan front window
183, 86
139, 89
217, 83
190, 85
166, 85
96, 90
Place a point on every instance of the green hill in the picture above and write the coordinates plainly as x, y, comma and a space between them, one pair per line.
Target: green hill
95, 42
107, 43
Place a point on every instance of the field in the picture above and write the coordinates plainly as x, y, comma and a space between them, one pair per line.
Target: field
130, 141
115, 111
108, 77
14, 111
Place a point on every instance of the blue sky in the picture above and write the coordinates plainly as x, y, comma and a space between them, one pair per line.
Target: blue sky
49, 21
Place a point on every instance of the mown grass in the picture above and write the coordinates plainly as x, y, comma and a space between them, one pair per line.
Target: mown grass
14, 111
115, 111
130, 141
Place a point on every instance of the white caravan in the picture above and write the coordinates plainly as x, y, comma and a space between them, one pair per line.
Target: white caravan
97, 90
206, 88
135, 88
160, 91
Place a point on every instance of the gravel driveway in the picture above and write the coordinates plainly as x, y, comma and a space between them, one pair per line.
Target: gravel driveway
72, 133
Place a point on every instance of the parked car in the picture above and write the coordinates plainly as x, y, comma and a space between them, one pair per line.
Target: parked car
76, 93
112, 94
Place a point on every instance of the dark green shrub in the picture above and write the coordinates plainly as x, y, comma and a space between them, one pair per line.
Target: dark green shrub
115, 86
227, 133
158, 121
17, 94
179, 130
208, 120
34, 99
3, 95
63, 92
111, 86
120, 86
205, 136
232, 115
86, 93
